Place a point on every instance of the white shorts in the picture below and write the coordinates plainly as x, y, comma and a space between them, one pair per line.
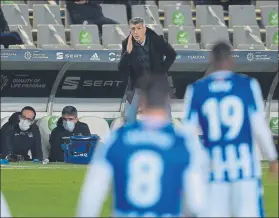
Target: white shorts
237, 199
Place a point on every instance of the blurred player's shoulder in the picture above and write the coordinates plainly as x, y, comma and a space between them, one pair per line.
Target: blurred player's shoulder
200, 81
242, 77
124, 128
111, 138
192, 143
186, 133
234, 77
117, 133
203, 82
242, 81
182, 130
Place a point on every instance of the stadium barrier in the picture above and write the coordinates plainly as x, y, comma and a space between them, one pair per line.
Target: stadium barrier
50, 79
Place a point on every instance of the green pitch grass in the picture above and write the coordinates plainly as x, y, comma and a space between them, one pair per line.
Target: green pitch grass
52, 190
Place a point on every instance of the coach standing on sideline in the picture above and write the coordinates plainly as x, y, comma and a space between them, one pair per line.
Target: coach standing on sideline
143, 53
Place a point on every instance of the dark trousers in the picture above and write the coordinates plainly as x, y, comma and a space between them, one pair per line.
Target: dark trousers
92, 13
101, 21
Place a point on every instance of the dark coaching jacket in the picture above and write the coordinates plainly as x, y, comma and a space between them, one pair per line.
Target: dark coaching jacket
16, 141
56, 139
159, 48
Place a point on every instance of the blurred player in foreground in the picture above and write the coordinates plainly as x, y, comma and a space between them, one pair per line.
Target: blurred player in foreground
151, 166
5, 212
229, 109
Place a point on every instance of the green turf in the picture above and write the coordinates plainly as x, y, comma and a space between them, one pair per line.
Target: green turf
53, 191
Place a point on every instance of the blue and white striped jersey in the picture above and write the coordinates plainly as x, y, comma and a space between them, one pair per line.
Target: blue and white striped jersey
152, 170
229, 110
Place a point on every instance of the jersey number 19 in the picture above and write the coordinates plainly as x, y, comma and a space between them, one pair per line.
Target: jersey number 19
229, 112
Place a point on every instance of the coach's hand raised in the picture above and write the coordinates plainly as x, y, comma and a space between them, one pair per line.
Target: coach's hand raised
130, 44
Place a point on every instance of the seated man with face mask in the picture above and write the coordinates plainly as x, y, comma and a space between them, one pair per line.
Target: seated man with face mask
68, 125
20, 134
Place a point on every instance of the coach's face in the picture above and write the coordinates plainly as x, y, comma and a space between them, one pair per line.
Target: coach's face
138, 32
69, 118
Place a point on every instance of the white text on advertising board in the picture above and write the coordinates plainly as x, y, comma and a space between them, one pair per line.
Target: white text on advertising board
73, 56
5, 55
28, 83
80, 155
235, 56
61, 56
114, 57
35, 55
99, 83
196, 57
72, 83
257, 56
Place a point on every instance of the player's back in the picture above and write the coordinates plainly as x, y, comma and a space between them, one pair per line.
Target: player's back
148, 165
223, 105
155, 168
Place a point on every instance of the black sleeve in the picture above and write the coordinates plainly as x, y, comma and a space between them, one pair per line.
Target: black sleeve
125, 58
55, 141
36, 150
7, 132
169, 52
52, 146
86, 130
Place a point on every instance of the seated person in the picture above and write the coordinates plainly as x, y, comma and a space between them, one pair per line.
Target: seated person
68, 125
87, 10
224, 3
20, 134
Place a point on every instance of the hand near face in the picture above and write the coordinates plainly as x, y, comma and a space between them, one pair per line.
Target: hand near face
130, 44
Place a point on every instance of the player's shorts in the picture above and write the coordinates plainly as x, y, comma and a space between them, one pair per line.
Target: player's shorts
237, 199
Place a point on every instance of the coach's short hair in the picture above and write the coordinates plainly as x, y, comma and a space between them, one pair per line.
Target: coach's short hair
156, 91
221, 52
137, 20
69, 110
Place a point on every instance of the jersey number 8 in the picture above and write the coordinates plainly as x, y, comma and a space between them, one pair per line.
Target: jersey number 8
229, 112
144, 178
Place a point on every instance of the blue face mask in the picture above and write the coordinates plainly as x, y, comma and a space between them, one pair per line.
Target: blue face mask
69, 125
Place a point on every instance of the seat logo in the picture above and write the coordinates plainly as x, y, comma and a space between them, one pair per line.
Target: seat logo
71, 83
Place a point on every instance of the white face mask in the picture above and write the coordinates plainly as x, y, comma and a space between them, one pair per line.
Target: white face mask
24, 124
69, 125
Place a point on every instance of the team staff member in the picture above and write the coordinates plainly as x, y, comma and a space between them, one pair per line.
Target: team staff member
68, 125
88, 10
20, 134
224, 3
143, 51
